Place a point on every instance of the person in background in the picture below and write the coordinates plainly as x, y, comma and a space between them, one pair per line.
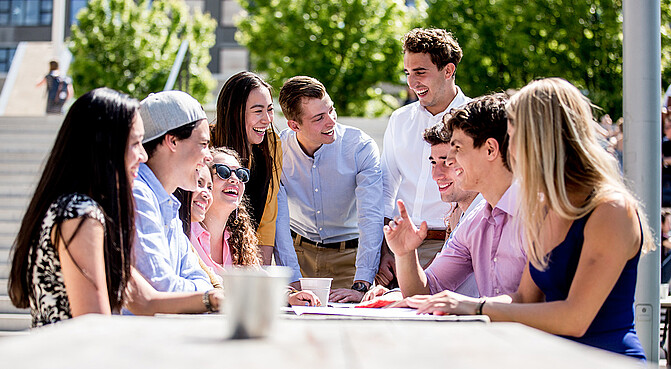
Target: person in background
245, 124
59, 89
72, 255
584, 231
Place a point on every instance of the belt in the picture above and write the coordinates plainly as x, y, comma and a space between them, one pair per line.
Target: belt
350, 244
435, 234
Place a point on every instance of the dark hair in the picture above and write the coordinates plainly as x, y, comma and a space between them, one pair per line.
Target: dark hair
181, 132
438, 43
483, 118
294, 90
88, 158
184, 197
53, 65
438, 133
243, 242
230, 129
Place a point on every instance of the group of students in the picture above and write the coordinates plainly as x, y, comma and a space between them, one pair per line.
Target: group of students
527, 218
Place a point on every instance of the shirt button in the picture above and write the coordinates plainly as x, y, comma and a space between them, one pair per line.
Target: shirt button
320, 228
318, 211
316, 190
314, 166
495, 259
496, 290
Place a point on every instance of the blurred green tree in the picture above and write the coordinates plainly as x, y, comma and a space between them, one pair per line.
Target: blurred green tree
508, 43
130, 46
351, 46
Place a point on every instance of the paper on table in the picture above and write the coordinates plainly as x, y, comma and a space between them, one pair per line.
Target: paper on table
394, 313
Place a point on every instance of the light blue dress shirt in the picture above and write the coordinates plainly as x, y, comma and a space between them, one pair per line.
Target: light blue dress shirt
332, 197
162, 250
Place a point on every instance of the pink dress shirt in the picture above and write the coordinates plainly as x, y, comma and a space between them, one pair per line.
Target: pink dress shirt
488, 243
200, 238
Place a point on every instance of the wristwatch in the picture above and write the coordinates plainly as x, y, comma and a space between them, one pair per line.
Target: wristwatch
359, 286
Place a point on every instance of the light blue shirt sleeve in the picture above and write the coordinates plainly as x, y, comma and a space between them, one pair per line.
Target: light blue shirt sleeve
369, 203
164, 257
285, 254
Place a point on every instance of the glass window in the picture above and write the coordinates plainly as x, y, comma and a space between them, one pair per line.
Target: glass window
6, 55
75, 7
25, 12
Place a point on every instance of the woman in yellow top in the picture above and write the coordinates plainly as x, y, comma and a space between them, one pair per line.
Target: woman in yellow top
245, 124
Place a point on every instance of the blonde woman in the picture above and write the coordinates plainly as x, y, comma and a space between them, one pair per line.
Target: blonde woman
584, 230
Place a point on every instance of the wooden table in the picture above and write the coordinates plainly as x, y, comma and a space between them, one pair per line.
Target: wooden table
199, 342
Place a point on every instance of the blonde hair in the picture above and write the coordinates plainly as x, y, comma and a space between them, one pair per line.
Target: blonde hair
555, 139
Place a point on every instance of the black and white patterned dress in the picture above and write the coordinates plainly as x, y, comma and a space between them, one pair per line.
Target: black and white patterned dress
49, 301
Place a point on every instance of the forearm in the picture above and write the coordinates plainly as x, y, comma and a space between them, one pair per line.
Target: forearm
556, 317
179, 302
410, 275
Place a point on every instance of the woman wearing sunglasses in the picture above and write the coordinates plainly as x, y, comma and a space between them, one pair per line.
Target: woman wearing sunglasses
245, 124
232, 239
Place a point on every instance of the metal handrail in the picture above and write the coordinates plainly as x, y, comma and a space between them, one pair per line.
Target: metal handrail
177, 66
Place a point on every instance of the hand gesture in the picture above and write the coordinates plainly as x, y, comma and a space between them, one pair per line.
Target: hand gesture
345, 295
402, 236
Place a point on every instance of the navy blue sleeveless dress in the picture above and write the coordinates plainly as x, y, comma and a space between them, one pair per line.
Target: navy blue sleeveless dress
613, 326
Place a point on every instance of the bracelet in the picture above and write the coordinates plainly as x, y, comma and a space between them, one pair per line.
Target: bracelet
208, 303
481, 304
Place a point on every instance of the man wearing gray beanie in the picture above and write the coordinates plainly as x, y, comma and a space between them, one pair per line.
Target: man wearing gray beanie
176, 140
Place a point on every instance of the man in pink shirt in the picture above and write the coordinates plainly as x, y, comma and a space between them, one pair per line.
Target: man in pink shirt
488, 241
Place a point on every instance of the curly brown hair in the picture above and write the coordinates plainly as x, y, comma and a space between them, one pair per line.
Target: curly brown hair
441, 45
243, 242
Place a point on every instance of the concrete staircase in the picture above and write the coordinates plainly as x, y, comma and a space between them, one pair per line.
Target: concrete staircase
24, 145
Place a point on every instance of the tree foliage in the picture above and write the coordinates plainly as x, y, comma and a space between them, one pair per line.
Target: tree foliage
508, 43
351, 46
130, 46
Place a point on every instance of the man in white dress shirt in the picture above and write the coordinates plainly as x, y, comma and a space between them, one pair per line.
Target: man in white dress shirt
430, 62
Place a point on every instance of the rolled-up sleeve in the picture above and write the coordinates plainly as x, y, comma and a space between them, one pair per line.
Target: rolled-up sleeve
451, 267
369, 204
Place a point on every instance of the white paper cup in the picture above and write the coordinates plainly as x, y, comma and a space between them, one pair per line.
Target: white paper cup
319, 286
253, 298
664, 290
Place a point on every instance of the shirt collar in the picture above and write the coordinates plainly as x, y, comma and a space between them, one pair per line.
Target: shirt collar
507, 205
197, 230
146, 175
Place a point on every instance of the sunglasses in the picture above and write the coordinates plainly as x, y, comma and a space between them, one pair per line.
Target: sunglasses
224, 172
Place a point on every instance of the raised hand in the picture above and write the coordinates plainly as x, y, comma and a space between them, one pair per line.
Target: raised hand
402, 236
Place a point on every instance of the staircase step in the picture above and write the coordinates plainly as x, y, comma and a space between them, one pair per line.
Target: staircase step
14, 214
14, 323
3, 286
5, 268
6, 307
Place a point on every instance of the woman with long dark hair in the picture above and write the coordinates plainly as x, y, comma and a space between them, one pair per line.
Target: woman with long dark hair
72, 255
244, 124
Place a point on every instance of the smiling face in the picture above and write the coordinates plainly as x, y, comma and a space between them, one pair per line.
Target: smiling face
442, 171
202, 197
226, 193
430, 84
135, 153
258, 114
191, 154
316, 124
471, 164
